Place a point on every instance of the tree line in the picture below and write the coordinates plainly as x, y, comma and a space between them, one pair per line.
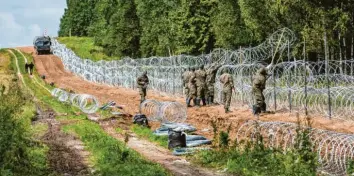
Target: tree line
144, 28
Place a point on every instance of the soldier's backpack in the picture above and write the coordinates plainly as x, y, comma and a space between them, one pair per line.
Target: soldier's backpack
176, 138
140, 119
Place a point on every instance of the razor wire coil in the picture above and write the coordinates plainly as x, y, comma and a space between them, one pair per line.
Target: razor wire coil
165, 112
86, 103
165, 74
334, 149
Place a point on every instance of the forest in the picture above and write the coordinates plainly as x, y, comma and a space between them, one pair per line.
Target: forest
144, 28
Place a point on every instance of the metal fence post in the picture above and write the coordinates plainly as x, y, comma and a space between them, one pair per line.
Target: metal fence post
288, 82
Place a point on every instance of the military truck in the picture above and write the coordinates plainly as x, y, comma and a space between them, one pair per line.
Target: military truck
42, 45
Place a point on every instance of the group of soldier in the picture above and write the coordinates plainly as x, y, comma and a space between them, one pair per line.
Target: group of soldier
198, 85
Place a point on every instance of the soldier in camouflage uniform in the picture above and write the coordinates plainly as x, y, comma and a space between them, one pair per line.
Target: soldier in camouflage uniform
228, 85
192, 88
143, 82
258, 86
210, 82
201, 86
185, 78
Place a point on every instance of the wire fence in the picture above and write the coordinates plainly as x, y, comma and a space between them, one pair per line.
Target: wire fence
334, 150
324, 88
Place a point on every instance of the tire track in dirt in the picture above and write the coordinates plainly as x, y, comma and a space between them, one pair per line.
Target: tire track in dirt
199, 117
66, 153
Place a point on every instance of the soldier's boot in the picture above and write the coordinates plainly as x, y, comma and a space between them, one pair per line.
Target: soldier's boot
204, 102
264, 108
197, 102
256, 110
189, 102
208, 102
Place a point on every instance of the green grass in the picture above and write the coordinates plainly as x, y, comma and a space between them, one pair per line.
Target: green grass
20, 151
111, 156
146, 133
254, 158
84, 47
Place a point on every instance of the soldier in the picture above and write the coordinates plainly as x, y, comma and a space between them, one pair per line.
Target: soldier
30, 66
200, 82
228, 86
210, 81
192, 89
143, 82
185, 77
258, 86
26, 67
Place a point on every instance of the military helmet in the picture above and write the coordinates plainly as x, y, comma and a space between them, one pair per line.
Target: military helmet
193, 68
263, 71
201, 67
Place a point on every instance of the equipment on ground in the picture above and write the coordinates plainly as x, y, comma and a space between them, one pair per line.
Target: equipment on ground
140, 119
42, 45
176, 138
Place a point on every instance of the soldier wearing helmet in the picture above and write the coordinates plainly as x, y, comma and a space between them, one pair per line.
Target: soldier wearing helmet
142, 82
201, 86
185, 78
228, 85
210, 82
259, 83
192, 89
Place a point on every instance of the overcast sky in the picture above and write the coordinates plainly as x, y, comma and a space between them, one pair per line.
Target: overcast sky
22, 20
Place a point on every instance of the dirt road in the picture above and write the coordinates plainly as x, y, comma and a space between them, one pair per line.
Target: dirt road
52, 67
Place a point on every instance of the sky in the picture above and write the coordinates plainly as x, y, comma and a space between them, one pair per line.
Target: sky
22, 20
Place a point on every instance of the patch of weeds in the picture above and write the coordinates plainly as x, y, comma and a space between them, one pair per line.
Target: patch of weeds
254, 158
148, 134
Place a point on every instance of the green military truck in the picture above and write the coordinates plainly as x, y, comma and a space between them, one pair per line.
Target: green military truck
42, 45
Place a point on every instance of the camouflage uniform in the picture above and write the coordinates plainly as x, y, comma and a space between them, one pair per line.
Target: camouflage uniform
192, 88
142, 81
258, 86
201, 86
185, 77
210, 81
228, 84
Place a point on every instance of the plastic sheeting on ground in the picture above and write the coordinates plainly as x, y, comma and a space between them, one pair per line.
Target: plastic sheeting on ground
186, 151
163, 130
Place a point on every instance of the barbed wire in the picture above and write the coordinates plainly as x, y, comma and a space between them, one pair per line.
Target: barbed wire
285, 89
165, 112
334, 150
86, 103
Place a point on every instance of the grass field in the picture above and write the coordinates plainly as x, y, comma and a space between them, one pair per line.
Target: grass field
109, 156
84, 47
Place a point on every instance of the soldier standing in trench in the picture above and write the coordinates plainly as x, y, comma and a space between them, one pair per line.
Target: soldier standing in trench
210, 82
192, 89
258, 86
200, 82
185, 78
228, 86
143, 82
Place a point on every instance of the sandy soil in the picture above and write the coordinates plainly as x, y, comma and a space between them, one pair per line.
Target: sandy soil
52, 67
